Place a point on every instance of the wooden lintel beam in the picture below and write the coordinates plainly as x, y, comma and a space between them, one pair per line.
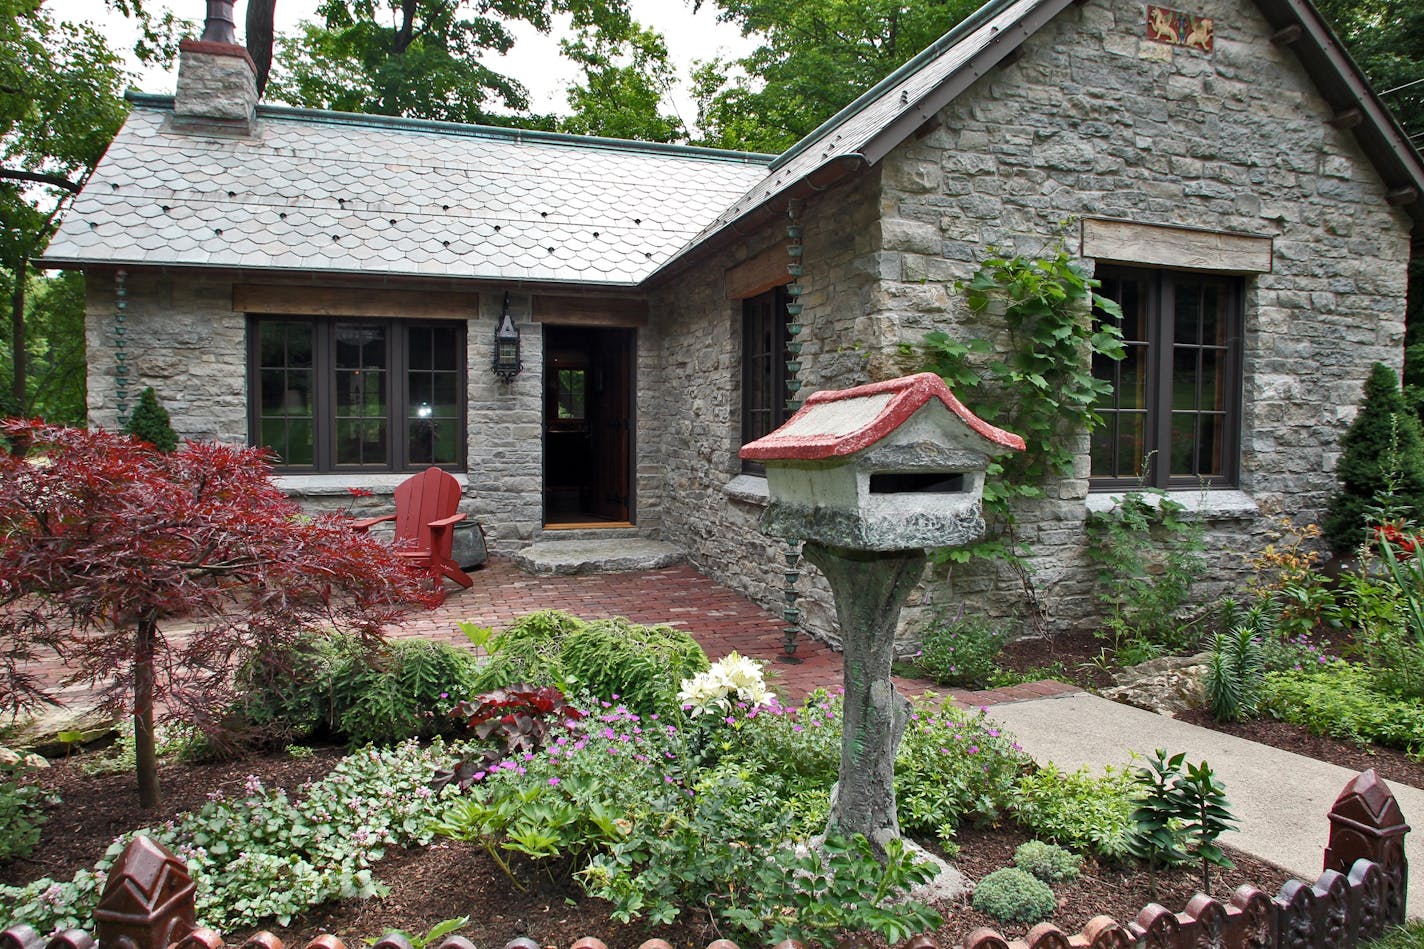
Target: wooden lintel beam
590, 311
354, 301
760, 273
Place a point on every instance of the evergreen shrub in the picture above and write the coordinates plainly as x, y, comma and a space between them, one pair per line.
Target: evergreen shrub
1049, 862
150, 423
1012, 895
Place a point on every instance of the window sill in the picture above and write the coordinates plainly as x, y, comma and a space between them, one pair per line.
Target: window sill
749, 489
331, 485
1219, 505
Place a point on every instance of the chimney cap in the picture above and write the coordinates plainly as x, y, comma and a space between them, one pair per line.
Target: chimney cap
220, 27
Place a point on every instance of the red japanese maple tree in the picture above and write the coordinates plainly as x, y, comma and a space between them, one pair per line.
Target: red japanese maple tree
103, 538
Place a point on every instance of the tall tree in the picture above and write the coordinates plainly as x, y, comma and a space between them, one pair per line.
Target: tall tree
54, 343
627, 85
60, 105
427, 59
1386, 39
816, 56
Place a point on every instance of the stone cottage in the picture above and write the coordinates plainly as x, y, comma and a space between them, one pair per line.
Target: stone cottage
332, 285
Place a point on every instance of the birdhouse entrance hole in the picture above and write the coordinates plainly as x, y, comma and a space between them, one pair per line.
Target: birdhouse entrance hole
917, 482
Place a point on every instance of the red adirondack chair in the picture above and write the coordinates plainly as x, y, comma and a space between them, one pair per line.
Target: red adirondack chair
425, 515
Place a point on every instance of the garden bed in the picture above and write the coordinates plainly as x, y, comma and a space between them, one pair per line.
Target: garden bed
449, 879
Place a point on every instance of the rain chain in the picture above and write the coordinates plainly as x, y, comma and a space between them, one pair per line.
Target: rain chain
121, 372
791, 613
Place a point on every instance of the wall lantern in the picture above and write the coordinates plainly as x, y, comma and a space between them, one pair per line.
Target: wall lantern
506, 346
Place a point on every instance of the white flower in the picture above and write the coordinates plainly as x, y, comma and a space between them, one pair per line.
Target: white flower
713, 690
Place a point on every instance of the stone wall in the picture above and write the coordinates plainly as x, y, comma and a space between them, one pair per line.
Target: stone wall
1095, 120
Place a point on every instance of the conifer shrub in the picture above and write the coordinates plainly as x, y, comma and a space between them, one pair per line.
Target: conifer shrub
1012, 895
1382, 455
150, 423
1048, 862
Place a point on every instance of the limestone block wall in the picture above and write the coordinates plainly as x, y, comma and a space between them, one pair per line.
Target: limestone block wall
1095, 120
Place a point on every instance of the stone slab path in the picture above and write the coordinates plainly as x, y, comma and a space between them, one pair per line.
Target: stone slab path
1280, 799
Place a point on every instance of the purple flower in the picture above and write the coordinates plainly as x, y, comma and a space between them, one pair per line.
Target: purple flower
553, 782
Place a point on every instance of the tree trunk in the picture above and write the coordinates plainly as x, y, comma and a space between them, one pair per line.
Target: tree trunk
145, 746
17, 337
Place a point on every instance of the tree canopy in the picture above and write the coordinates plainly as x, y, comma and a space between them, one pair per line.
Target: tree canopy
627, 83
1386, 39
814, 59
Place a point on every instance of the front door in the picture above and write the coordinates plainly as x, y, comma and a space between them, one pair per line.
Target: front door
588, 413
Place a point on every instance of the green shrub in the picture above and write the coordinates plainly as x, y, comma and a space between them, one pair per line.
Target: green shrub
1011, 895
1382, 453
1077, 810
961, 651
1233, 675
1049, 862
331, 686
150, 423
642, 665
1342, 700
22, 804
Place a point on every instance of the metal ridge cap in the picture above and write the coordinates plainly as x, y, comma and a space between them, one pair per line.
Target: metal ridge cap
956, 33
516, 135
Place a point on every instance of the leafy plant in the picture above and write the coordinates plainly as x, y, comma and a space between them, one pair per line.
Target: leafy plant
1040, 385
113, 536
1233, 675
519, 719
1206, 815
961, 650
407, 690
1012, 895
428, 939
1148, 557
150, 423
22, 808
1079, 810
1049, 862
1180, 815
1341, 699
1382, 452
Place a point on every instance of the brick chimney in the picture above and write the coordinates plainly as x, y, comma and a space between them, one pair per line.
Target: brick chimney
217, 80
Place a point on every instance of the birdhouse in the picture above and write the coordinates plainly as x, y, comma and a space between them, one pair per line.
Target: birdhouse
892, 465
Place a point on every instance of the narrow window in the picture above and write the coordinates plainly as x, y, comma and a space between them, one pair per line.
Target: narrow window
764, 322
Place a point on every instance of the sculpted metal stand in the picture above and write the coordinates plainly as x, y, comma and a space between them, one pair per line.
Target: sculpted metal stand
868, 478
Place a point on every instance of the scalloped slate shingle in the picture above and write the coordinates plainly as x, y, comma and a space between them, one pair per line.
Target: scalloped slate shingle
345, 195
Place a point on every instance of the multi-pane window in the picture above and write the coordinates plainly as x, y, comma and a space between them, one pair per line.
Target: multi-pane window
1172, 417
764, 322
332, 394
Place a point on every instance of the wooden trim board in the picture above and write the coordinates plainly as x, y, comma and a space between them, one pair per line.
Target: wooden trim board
354, 301
590, 311
1181, 248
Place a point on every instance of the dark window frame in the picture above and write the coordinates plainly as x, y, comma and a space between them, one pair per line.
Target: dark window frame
1159, 287
762, 313
323, 370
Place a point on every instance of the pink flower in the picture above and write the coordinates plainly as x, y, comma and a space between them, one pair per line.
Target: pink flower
553, 781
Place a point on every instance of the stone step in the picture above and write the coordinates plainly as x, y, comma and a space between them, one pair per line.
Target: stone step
586, 555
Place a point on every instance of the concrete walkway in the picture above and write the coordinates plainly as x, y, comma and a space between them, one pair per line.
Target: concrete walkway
1280, 799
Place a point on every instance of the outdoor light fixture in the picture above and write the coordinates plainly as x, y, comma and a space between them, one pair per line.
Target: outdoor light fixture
506, 346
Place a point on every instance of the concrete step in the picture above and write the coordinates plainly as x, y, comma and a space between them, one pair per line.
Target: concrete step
585, 555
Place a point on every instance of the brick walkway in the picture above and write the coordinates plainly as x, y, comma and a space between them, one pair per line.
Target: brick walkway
721, 620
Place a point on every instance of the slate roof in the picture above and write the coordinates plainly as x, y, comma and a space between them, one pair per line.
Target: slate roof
333, 193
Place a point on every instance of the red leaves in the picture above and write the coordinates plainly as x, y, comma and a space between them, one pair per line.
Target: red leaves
99, 530
1393, 534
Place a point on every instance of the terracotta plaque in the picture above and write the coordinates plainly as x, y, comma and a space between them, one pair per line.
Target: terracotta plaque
1176, 28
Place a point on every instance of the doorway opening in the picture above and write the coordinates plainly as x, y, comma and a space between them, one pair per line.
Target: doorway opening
588, 432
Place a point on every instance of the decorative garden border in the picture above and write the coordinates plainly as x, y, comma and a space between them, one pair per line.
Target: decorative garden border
148, 903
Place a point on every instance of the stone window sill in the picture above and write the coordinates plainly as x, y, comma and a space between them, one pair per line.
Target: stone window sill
1220, 505
749, 489
335, 485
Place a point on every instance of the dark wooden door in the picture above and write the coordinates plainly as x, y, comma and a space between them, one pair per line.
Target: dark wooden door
613, 429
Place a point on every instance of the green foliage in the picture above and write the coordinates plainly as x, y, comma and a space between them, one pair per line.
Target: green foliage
1078, 810
1408, 936
627, 82
961, 650
1148, 556
334, 686
1343, 700
1040, 386
425, 59
1233, 675
1049, 862
431, 937
1406, 570
266, 855
1180, 815
1381, 453
1386, 38
22, 809
639, 666
150, 423
1012, 895
813, 59
54, 344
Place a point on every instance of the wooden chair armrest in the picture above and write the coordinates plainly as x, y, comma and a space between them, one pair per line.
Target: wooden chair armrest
366, 523
445, 522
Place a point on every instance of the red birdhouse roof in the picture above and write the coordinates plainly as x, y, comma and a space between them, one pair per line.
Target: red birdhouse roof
841, 422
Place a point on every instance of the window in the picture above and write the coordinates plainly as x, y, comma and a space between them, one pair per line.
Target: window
764, 322
378, 395
1175, 395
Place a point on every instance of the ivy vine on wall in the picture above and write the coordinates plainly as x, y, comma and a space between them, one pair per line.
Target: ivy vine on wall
1039, 385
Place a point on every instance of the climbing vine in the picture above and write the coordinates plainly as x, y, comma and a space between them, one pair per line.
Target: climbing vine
1039, 386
